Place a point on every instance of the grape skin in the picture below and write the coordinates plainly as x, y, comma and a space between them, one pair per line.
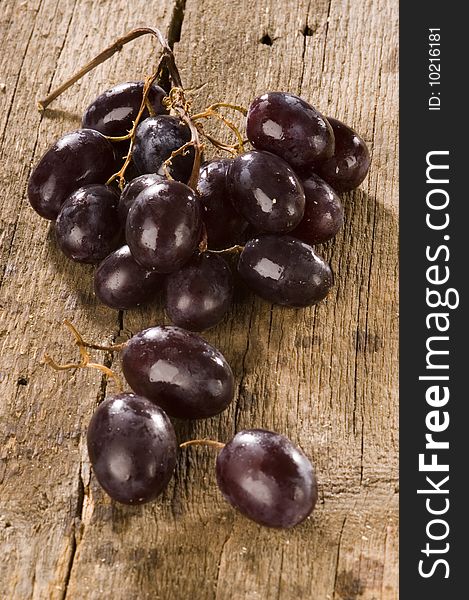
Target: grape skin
163, 226
289, 127
179, 371
78, 158
324, 214
267, 478
133, 189
121, 283
155, 139
285, 271
199, 294
224, 225
132, 448
266, 192
88, 228
349, 165
112, 113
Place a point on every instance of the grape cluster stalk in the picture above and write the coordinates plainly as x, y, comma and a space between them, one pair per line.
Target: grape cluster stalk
130, 193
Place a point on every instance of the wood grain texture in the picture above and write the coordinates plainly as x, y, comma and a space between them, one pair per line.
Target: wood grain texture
324, 376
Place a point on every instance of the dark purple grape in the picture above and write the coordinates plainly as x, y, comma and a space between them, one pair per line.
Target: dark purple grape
324, 214
266, 191
77, 159
285, 271
199, 295
349, 165
88, 228
224, 225
155, 139
133, 189
132, 448
112, 113
267, 478
289, 127
163, 226
179, 371
121, 283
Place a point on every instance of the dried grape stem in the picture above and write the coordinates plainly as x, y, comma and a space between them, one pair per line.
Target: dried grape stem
210, 112
211, 443
83, 344
217, 105
203, 244
121, 173
84, 362
181, 109
110, 51
85, 365
180, 151
167, 60
220, 145
85, 358
231, 250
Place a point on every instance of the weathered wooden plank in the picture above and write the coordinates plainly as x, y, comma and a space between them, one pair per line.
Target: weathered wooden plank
325, 376
43, 416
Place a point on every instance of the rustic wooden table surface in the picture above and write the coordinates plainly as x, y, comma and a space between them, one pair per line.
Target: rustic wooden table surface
324, 376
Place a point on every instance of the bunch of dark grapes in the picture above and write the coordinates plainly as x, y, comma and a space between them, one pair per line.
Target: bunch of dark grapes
128, 192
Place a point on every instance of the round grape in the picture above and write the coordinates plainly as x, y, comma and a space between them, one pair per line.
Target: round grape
132, 448
266, 191
113, 112
77, 159
88, 228
133, 189
288, 126
199, 295
121, 283
163, 226
224, 225
155, 139
284, 270
349, 165
324, 214
179, 371
267, 478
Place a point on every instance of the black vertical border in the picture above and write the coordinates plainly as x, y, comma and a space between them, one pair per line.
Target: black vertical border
422, 131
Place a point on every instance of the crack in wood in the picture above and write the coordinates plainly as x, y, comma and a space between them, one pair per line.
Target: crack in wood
74, 541
338, 555
323, 62
175, 25
222, 550
306, 34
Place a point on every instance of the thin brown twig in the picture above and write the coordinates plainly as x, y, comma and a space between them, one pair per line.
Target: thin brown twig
83, 344
231, 250
203, 244
211, 443
213, 113
183, 150
85, 360
110, 51
217, 105
121, 173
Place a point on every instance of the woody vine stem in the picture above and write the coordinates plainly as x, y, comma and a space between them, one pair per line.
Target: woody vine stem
176, 101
